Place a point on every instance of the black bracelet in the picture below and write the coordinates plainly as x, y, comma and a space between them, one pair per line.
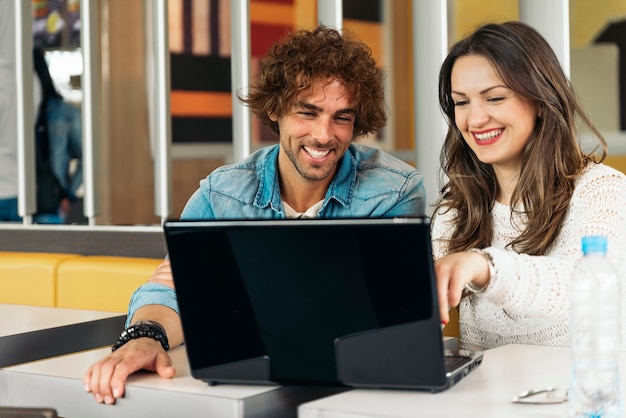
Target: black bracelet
140, 329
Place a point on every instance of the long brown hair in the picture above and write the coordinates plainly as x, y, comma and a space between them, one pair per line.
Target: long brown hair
551, 160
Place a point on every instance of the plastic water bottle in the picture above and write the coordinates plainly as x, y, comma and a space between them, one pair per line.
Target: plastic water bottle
595, 334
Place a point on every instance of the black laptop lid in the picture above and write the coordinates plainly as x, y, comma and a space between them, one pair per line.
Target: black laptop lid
265, 301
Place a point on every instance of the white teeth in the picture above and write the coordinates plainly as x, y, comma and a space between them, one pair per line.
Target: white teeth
316, 154
489, 135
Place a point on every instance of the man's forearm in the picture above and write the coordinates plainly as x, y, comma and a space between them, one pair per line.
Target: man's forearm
165, 316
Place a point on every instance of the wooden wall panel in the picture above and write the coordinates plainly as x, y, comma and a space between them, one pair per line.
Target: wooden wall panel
402, 74
129, 164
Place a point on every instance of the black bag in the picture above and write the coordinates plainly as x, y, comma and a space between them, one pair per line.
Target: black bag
49, 191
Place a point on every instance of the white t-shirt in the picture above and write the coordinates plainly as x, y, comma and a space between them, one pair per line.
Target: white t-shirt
310, 212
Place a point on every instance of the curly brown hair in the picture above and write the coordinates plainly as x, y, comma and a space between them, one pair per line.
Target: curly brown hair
551, 160
299, 59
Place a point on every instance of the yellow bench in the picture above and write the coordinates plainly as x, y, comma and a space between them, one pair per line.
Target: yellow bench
103, 283
30, 278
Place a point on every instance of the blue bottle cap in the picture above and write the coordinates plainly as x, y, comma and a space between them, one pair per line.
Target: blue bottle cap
594, 244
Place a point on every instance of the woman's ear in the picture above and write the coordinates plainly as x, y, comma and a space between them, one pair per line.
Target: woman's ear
541, 114
272, 116
541, 111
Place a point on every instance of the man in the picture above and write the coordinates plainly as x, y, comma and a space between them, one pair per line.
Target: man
317, 91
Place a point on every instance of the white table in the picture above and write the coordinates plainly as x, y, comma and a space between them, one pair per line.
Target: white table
57, 383
486, 392
30, 333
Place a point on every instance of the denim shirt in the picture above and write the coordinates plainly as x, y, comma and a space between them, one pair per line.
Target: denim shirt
65, 136
368, 183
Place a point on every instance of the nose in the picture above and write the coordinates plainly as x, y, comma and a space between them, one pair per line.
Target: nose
477, 115
323, 131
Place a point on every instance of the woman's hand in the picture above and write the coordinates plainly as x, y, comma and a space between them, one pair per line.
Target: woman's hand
453, 273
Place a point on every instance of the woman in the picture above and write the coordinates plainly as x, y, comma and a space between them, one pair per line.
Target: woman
520, 192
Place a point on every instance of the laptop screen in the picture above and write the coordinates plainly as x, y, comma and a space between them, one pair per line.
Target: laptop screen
286, 290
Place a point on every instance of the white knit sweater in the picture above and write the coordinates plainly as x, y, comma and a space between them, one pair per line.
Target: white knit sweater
527, 301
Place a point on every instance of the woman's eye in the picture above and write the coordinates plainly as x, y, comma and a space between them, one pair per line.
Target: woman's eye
495, 99
461, 102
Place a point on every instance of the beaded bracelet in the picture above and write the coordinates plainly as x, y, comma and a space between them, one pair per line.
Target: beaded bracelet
140, 329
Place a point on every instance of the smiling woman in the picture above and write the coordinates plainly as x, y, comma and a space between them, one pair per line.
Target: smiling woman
521, 190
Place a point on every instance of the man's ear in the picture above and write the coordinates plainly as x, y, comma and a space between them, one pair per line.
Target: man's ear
272, 116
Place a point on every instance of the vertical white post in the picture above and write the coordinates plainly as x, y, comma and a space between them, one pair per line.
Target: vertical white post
389, 46
330, 13
430, 44
240, 76
162, 130
551, 19
90, 29
24, 71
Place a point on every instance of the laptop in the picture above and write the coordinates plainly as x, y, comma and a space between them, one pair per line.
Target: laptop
345, 302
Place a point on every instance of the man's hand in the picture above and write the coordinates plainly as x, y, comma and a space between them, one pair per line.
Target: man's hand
106, 378
163, 274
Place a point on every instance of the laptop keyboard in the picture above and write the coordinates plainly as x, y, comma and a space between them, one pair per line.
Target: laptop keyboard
454, 362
